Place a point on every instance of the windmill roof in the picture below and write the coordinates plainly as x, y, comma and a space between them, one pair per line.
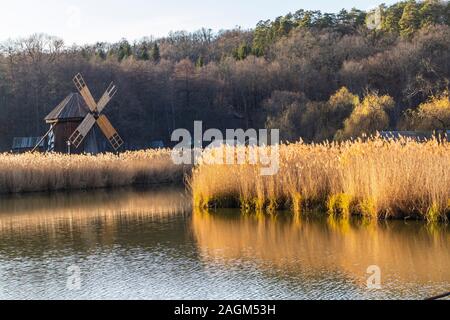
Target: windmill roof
72, 107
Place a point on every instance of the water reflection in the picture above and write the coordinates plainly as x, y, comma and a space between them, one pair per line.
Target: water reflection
146, 244
37, 223
22, 211
406, 252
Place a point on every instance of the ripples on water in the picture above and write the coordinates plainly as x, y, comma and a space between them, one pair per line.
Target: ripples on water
141, 244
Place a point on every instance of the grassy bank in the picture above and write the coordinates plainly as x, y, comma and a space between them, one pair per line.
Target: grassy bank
375, 178
51, 172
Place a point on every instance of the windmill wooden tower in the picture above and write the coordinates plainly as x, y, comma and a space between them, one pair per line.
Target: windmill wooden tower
72, 122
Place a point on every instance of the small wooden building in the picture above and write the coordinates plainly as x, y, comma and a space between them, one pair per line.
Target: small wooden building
64, 120
419, 136
24, 144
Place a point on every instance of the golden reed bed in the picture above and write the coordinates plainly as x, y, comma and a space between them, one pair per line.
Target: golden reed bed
32, 172
374, 178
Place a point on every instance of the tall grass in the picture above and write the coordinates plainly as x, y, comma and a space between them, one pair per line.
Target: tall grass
32, 172
375, 178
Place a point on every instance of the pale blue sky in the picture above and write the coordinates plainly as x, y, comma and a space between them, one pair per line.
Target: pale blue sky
88, 21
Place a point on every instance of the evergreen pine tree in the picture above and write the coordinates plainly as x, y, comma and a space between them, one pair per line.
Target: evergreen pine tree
392, 16
285, 26
155, 53
100, 50
410, 21
343, 17
306, 20
261, 38
430, 13
243, 51
200, 62
358, 17
124, 50
447, 14
143, 53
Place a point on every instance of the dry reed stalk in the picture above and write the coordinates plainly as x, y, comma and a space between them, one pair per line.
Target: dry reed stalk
33, 172
375, 178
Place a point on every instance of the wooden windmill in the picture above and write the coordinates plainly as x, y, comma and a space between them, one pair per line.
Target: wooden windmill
95, 116
72, 122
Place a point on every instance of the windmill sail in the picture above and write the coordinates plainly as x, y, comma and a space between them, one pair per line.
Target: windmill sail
107, 96
108, 130
83, 129
85, 92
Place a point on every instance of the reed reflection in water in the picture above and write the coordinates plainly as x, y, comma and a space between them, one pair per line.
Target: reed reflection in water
148, 244
414, 257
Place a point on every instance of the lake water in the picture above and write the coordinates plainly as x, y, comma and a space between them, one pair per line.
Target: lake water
148, 244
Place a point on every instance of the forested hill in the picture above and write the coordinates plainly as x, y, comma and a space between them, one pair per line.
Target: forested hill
314, 75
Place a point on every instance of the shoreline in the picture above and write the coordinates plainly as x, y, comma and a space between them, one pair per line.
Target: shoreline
375, 178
